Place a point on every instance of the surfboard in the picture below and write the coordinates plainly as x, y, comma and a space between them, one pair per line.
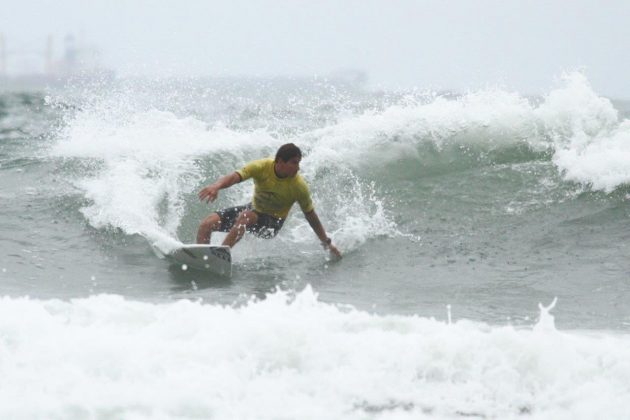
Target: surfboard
210, 258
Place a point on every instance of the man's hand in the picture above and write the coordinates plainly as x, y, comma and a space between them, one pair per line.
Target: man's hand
209, 193
317, 227
333, 250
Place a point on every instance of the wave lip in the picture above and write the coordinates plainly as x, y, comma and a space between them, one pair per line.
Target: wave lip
602, 161
295, 357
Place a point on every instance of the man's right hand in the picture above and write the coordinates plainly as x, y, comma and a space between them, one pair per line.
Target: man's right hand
209, 193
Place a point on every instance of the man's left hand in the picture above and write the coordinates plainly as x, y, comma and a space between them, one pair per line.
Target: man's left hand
334, 251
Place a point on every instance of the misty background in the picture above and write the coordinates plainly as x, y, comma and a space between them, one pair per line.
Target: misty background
433, 44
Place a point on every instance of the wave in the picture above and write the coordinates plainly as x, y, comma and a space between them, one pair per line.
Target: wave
297, 357
146, 164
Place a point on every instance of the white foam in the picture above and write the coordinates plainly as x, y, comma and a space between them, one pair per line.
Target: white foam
105, 356
601, 161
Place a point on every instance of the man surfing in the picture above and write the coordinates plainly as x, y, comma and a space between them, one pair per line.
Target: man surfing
277, 185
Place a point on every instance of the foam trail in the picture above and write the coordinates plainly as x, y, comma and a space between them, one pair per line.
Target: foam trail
295, 357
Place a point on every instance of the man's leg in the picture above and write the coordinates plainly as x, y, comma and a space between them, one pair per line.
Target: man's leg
245, 219
207, 226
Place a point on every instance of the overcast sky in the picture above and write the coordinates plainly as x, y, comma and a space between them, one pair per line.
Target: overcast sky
433, 44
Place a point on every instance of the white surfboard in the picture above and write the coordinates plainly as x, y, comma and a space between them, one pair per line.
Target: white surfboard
211, 258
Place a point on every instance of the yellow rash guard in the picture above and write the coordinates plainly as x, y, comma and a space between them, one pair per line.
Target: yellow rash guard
273, 195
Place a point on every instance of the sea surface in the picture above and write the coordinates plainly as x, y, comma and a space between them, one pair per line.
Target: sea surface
485, 240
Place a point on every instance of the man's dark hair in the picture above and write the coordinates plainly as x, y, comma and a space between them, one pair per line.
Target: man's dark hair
288, 151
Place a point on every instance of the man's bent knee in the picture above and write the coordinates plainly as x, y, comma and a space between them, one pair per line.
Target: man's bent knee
246, 218
212, 222
206, 227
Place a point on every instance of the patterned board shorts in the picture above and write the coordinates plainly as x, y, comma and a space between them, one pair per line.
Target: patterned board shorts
266, 227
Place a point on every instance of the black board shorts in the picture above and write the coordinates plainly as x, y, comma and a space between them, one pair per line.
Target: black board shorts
266, 227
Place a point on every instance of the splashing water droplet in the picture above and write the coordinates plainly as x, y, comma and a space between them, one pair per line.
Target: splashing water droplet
546, 322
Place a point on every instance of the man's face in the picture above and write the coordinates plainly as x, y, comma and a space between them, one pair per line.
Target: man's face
289, 168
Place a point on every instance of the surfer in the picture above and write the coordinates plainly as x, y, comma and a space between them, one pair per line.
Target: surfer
277, 186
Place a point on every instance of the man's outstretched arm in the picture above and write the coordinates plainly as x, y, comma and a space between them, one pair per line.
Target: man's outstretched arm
211, 192
317, 227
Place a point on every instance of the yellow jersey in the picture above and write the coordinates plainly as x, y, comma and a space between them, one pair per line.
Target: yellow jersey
273, 195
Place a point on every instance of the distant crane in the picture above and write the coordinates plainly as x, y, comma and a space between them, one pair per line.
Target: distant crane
3, 56
42, 62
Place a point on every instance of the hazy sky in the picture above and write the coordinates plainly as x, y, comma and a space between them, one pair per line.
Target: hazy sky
434, 44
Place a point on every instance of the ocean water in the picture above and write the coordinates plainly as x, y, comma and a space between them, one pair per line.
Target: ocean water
485, 269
